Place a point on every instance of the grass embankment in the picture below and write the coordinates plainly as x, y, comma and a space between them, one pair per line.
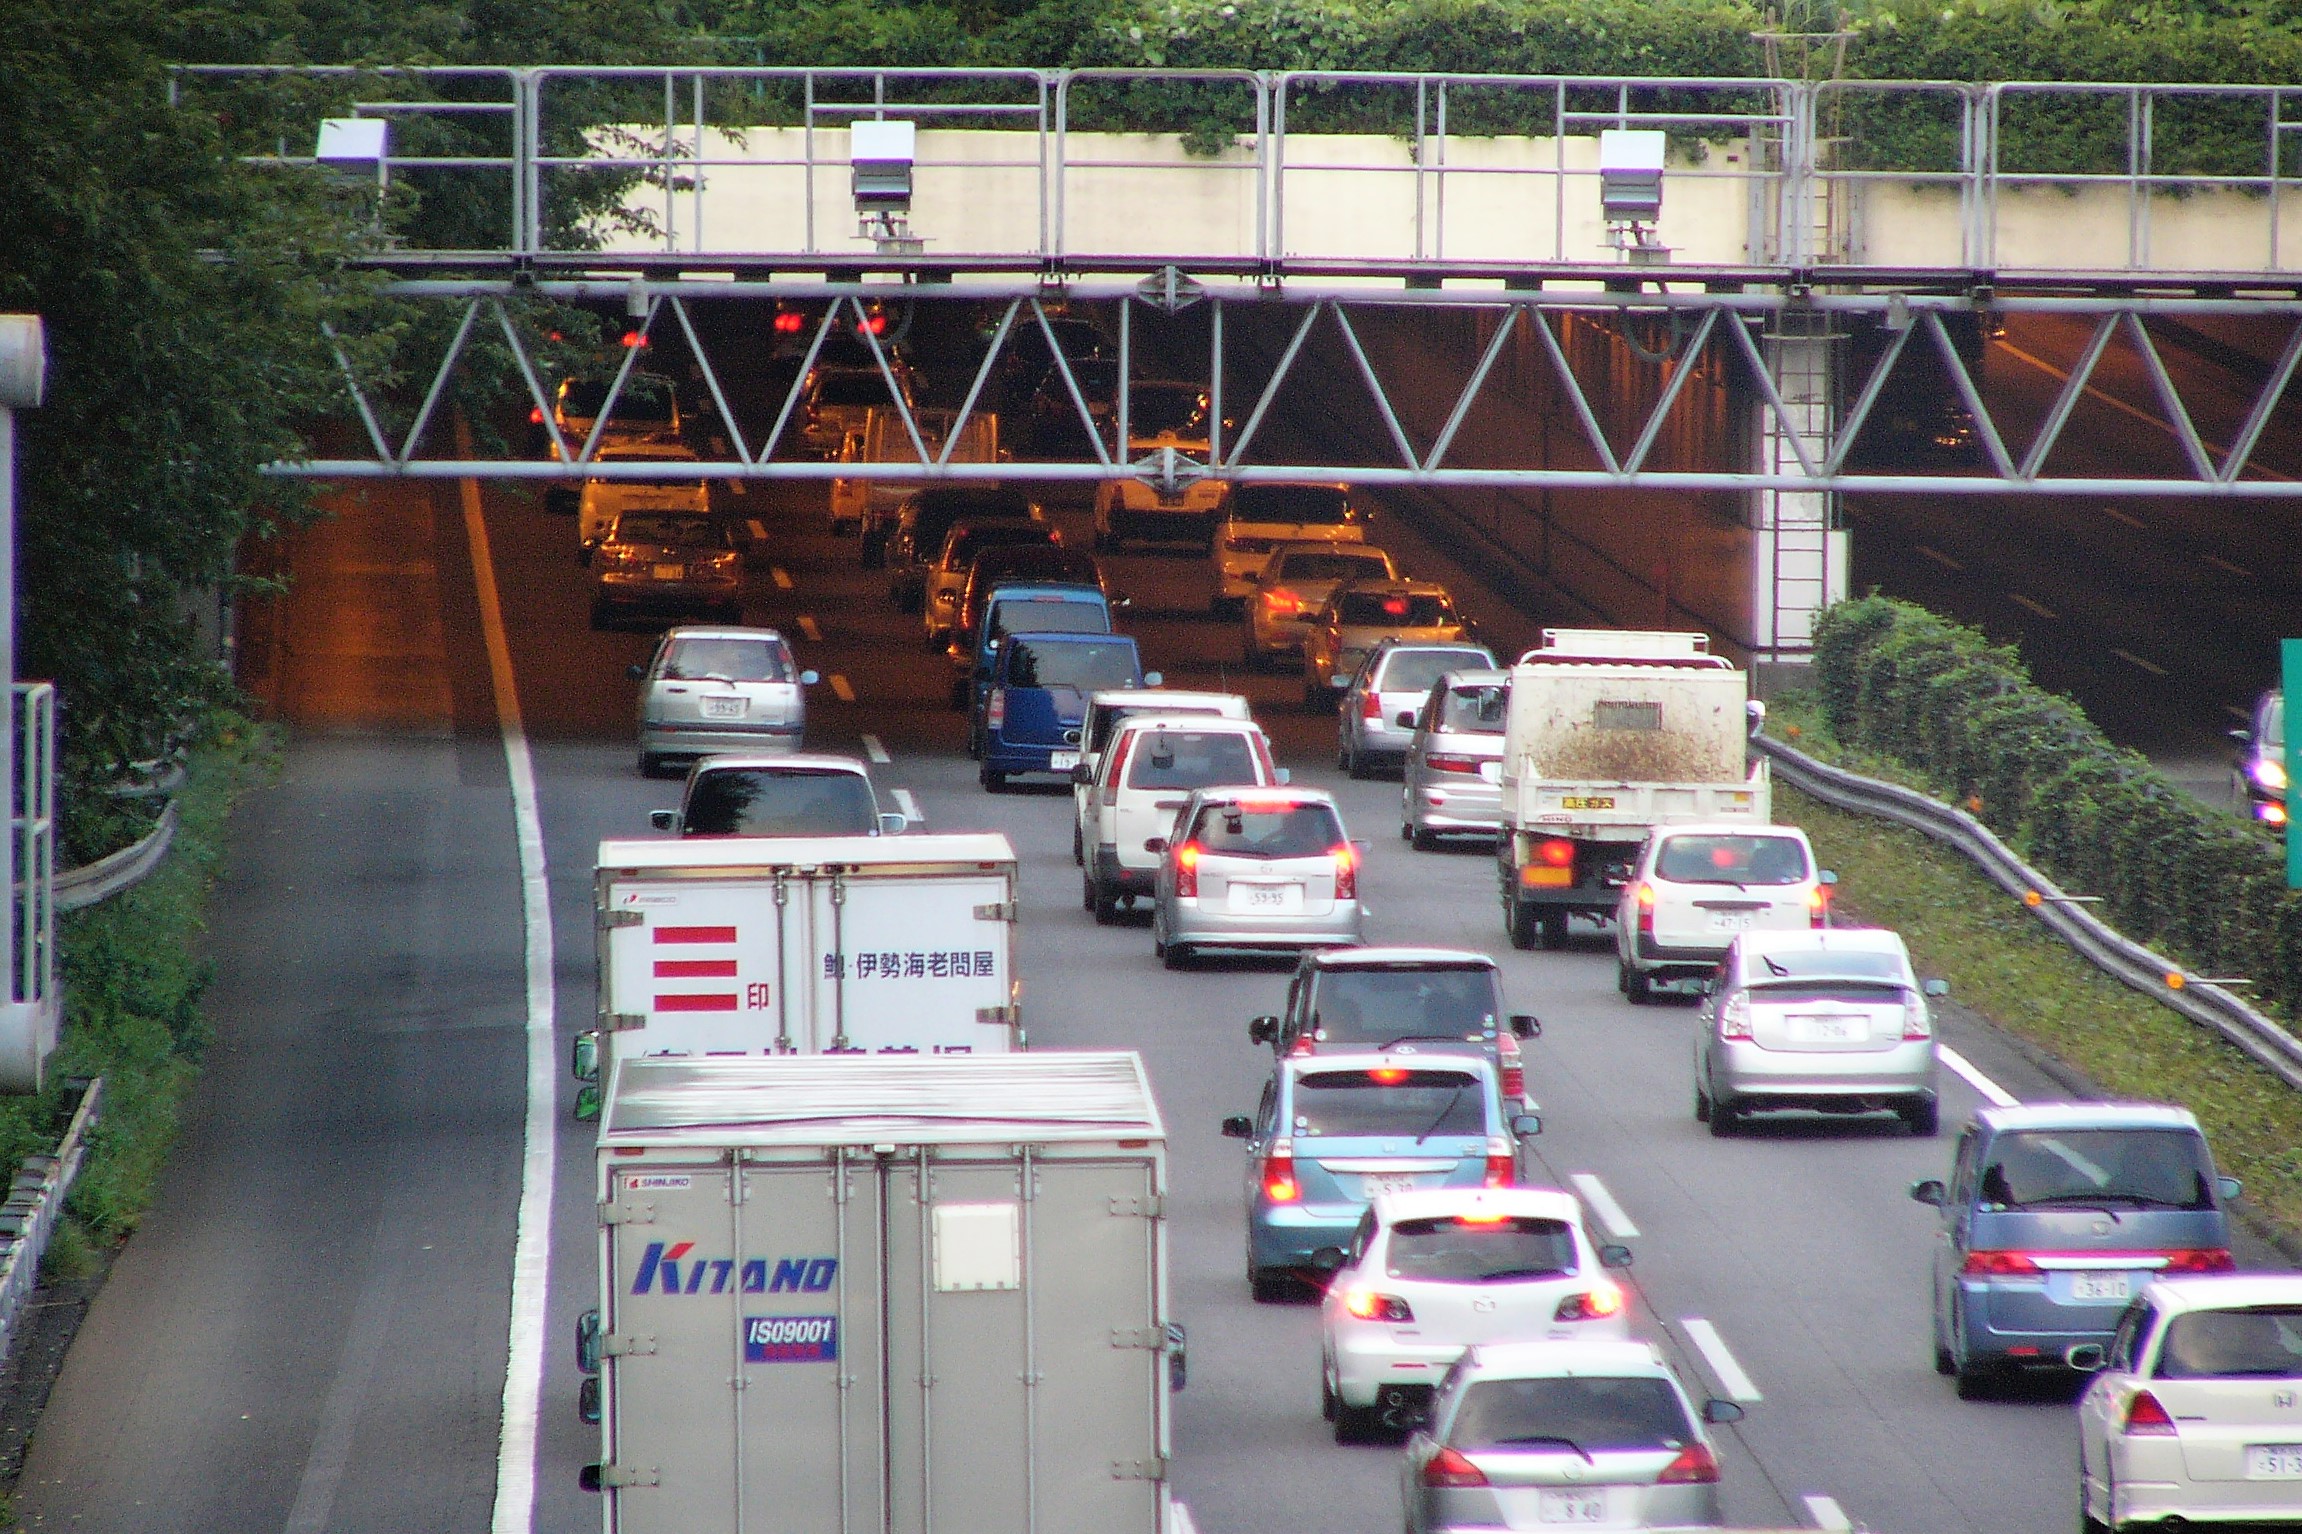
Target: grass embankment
2002, 963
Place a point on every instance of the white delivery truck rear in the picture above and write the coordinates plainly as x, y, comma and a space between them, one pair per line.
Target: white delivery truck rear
1608, 734
895, 1294
804, 945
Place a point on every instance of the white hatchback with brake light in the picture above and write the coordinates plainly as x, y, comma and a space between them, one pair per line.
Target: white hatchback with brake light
1696, 887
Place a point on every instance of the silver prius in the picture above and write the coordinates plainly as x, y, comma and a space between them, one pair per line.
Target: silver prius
719, 689
1452, 780
1255, 868
1829, 1020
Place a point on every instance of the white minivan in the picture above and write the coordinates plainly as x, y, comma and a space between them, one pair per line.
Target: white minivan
1696, 887
1109, 710
1144, 776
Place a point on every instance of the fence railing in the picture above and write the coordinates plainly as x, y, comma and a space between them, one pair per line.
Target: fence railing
28, 1213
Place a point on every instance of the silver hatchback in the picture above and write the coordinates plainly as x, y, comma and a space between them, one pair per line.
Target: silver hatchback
1452, 780
1255, 868
1829, 1020
719, 689
1376, 723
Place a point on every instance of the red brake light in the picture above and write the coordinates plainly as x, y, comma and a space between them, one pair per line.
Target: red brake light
633, 340
1695, 1466
1591, 1305
2000, 1265
1514, 1068
2212, 1259
535, 415
1558, 852
1450, 1467
1367, 1305
1282, 601
1645, 896
1279, 1185
1346, 859
1465, 764
1818, 906
1187, 871
790, 322
1388, 1075
2145, 1417
875, 325
1502, 1165
1370, 705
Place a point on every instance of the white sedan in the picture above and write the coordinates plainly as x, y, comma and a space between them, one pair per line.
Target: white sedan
2195, 1409
1432, 1272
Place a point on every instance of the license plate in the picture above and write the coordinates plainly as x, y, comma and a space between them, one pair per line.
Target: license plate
2274, 1462
1376, 1184
1811, 1029
1587, 802
2100, 1286
1572, 1507
723, 708
1266, 899
1732, 921
1062, 761
669, 572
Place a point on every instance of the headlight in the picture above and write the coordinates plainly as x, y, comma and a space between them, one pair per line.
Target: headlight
2267, 772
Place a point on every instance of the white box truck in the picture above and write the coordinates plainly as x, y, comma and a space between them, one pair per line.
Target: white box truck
1609, 733
804, 945
882, 1294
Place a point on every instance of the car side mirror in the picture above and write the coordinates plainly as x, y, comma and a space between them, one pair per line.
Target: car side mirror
1122, 601
663, 820
1406, 719
1929, 1191
1082, 776
2228, 1187
587, 1342
1716, 1411
1526, 1125
992, 645
1154, 844
1755, 712
894, 823
1262, 1030
1326, 1259
2085, 1357
808, 679
1339, 682
1238, 1127
1614, 1256
583, 1058
636, 673
1285, 776
1827, 879
1525, 1025
587, 1102
1154, 679
2243, 737
1935, 987
588, 1478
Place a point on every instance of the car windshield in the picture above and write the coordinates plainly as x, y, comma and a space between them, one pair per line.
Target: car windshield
1586, 1412
1328, 567
1731, 859
1824, 963
2094, 1168
1250, 828
644, 400
1108, 720
852, 389
1480, 1248
1190, 759
1416, 670
671, 532
1394, 609
776, 801
727, 660
1083, 664
1296, 505
1389, 1101
1181, 410
963, 544
1427, 1001
1475, 710
2260, 1342
1050, 615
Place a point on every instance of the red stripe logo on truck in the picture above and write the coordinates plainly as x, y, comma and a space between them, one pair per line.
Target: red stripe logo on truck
707, 1002
700, 969
695, 934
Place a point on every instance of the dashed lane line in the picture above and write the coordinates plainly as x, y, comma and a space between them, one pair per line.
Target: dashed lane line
2028, 605
757, 529
781, 577
2133, 659
1826, 1512
2127, 517
1964, 1068
1603, 1204
910, 806
876, 751
2220, 563
1724, 1369
1939, 557
842, 688
807, 627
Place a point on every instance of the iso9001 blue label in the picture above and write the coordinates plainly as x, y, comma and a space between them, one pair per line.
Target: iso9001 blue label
790, 1339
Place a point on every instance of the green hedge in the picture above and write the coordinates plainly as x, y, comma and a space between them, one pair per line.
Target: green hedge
2193, 882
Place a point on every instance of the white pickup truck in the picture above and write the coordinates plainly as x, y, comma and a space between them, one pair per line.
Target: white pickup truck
1608, 734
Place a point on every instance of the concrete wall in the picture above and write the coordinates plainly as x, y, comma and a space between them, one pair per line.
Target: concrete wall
2091, 227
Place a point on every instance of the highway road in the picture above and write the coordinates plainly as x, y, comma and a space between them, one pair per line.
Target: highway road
310, 1332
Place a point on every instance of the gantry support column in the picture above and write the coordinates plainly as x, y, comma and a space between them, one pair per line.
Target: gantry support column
1800, 547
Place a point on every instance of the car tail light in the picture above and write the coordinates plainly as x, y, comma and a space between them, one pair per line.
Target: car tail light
1591, 1305
1502, 1166
1514, 1068
1695, 1466
535, 415
1450, 1467
1818, 906
1187, 871
790, 323
2146, 1418
1467, 764
995, 711
1914, 1020
1734, 1016
1367, 1305
875, 325
1279, 1185
2210, 1259
2000, 1265
633, 340
1346, 859
1371, 705
1645, 896
1281, 603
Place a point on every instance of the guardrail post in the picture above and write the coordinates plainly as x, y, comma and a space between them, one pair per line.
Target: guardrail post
29, 1006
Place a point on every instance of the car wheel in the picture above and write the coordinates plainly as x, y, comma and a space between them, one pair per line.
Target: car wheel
1974, 1379
1554, 929
1943, 1362
1427, 841
909, 602
1519, 922
1343, 760
1311, 698
599, 615
1356, 1424
1328, 1400
1078, 846
1702, 1105
1637, 986
650, 765
874, 552
958, 698
1177, 955
1359, 767
1270, 1288
1924, 1116
1104, 903
1724, 1120
993, 781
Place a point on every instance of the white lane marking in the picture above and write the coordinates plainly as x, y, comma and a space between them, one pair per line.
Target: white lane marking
2127, 517
877, 752
2040, 608
1939, 557
2133, 659
1974, 1078
1610, 1213
842, 688
907, 804
807, 627
1826, 1512
757, 529
364, 1340
531, 1243
1724, 1369
2232, 708
2220, 563
781, 577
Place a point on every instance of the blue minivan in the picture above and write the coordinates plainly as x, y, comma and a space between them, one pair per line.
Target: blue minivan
1036, 699
2054, 1217
1025, 607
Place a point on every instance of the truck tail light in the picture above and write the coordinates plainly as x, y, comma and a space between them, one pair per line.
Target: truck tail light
1695, 1466
1450, 1467
1279, 1185
1187, 871
1514, 1068
1346, 859
1734, 1017
1591, 1304
2146, 1417
1645, 896
1371, 705
995, 711
1367, 1305
1915, 1024
1557, 852
1502, 1166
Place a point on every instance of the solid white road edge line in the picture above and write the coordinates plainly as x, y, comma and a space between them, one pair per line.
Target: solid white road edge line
1974, 1078
1603, 1204
1826, 1513
531, 1245
1713, 1348
876, 751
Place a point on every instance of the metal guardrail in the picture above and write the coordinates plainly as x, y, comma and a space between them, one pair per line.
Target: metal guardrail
77, 888
2206, 1004
28, 1215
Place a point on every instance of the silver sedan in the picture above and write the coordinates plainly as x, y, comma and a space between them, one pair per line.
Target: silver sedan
1376, 723
1452, 778
719, 689
1255, 868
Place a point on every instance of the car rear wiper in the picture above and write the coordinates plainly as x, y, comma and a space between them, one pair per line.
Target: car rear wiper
1448, 1107
1502, 1273
1534, 1438
1425, 1038
2093, 1201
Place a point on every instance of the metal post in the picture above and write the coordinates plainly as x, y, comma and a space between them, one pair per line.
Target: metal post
28, 1004
2290, 655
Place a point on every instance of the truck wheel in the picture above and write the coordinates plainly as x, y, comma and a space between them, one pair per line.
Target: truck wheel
1554, 929
1520, 923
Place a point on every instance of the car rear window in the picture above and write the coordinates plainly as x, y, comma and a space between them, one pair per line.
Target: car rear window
2098, 1168
771, 801
1389, 1101
1393, 609
1246, 829
672, 532
1329, 567
1298, 505
1108, 720
727, 660
1049, 615
1586, 1412
1416, 670
1474, 710
643, 400
1190, 759
1380, 1006
852, 389
688, 487
960, 551
1861, 993
1731, 859
1151, 411
1832, 963
1480, 1249
2259, 1342
1082, 664
935, 511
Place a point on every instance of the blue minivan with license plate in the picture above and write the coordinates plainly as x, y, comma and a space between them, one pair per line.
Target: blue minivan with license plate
2054, 1217
1025, 607
1335, 1131
1035, 702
